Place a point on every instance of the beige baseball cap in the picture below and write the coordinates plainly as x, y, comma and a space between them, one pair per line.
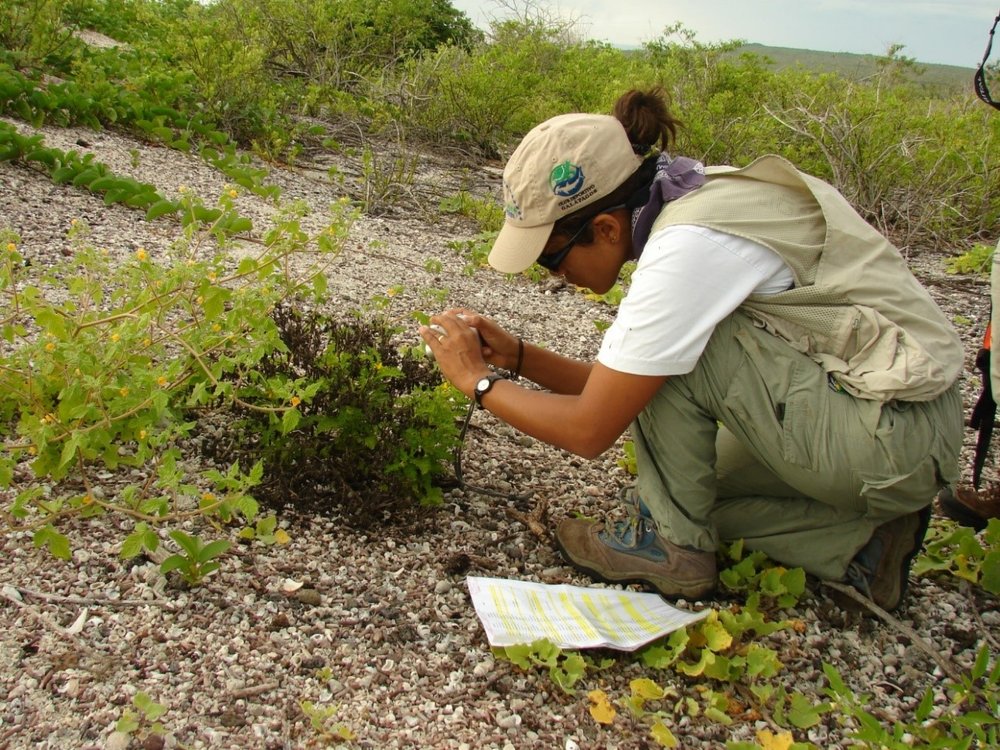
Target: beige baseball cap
559, 167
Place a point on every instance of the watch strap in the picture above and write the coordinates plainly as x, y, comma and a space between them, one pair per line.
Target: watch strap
490, 380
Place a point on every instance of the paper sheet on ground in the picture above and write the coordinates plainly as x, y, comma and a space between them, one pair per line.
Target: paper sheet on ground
517, 612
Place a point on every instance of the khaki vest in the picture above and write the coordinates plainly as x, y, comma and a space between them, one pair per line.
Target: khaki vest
855, 308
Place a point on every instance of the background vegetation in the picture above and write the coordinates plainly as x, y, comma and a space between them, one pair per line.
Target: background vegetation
103, 367
906, 144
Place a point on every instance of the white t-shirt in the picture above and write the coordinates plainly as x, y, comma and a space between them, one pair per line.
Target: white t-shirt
688, 279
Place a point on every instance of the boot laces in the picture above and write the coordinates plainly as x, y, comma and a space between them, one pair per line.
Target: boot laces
630, 533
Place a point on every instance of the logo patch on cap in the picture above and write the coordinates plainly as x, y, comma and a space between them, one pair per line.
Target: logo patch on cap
566, 179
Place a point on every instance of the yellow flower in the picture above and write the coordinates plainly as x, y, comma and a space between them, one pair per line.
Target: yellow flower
141, 253
32, 450
199, 299
296, 401
207, 497
142, 434
123, 391
88, 499
147, 341
182, 188
115, 337
233, 194
74, 222
211, 276
11, 247
216, 327
50, 347
161, 381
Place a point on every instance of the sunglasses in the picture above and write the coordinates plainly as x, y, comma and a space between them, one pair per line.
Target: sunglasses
552, 261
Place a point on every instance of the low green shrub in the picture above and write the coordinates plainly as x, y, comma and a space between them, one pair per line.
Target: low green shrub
371, 428
107, 365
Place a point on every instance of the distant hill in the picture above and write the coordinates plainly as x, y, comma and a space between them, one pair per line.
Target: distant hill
940, 78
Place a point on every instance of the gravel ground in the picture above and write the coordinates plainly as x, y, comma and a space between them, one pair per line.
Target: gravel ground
379, 624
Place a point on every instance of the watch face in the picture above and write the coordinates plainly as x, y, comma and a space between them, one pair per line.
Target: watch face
483, 384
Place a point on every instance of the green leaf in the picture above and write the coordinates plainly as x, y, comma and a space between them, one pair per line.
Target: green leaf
718, 716
105, 183
990, 572
44, 155
69, 450
148, 706
803, 714
55, 542
128, 723
86, 177
239, 224
51, 322
662, 735
190, 544
717, 637
206, 215
142, 200
215, 302
290, 420
836, 681
647, 689
132, 546
174, 562
926, 706
518, 654
161, 208
63, 174
116, 195
209, 567
762, 661
267, 525
213, 549
248, 507
982, 663
697, 668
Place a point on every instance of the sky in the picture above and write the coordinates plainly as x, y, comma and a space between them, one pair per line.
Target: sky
950, 32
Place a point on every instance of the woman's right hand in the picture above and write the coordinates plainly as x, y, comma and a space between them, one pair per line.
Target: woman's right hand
500, 348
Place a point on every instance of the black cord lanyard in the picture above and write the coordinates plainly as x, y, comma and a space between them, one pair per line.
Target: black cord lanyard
458, 464
979, 80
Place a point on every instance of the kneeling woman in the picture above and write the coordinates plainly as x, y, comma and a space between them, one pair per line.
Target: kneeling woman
760, 302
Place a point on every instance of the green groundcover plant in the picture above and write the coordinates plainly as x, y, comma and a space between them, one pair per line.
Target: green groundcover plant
107, 365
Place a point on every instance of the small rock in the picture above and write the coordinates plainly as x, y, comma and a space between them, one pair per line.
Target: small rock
510, 721
442, 587
117, 741
308, 596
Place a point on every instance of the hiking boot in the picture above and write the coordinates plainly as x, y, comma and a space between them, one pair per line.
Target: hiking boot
634, 506
970, 507
632, 551
881, 570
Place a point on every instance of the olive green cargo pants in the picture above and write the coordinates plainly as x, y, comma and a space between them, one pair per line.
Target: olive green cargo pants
800, 470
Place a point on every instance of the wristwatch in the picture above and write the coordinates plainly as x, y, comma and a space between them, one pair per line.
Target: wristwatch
484, 385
